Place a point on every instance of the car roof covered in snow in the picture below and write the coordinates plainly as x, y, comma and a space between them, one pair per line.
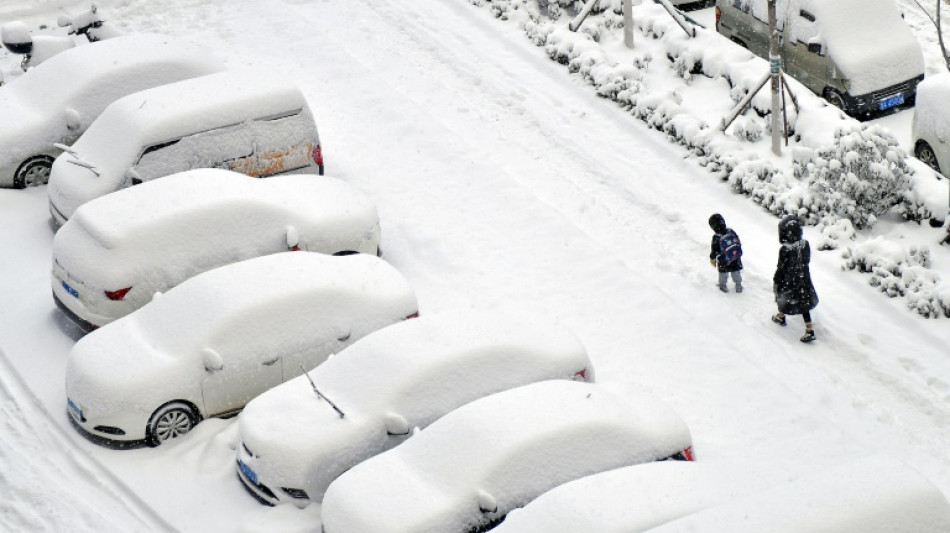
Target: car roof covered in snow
652, 494
258, 294
136, 215
419, 369
167, 112
876, 494
505, 450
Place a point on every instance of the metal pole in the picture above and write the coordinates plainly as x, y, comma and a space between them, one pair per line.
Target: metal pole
628, 23
775, 65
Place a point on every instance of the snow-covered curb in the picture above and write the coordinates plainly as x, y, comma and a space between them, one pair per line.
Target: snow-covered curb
841, 177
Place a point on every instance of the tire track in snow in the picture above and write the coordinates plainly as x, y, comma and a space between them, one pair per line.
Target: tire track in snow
40, 467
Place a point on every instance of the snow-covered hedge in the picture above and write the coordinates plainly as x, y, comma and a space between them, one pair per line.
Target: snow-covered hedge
844, 174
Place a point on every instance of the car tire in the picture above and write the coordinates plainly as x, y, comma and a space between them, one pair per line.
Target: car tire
33, 171
834, 98
926, 154
170, 421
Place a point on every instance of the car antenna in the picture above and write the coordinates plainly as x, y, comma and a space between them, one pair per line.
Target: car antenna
319, 395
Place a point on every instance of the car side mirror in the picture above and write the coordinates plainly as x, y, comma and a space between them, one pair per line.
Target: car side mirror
293, 238
212, 360
816, 48
396, 425
486, 502
132, 176
73, 120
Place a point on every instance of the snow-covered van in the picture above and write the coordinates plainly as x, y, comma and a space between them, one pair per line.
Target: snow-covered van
244, 121
858, 54
930, 132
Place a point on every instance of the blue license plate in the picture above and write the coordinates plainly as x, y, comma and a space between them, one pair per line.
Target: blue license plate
248, 473
893, 101
70, 290
74, 409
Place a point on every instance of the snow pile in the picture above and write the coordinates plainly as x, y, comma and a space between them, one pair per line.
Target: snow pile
842, 174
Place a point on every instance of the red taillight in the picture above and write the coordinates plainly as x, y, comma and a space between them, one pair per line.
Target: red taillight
580, 375
414, 315
688, 453
718, 14
119, 294
317, 155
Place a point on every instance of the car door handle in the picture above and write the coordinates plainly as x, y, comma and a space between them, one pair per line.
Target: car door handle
269, 362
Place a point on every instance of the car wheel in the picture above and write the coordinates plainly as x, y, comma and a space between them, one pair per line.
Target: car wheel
926, 154
33, 171
834, 98
170, 421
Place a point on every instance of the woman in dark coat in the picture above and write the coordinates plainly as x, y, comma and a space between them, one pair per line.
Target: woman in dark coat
794, 292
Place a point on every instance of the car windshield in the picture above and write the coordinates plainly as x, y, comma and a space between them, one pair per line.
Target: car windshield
50, 84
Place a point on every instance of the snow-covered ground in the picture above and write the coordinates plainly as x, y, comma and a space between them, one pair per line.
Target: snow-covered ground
502, 183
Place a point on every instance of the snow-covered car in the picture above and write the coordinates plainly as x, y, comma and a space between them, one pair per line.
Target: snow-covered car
120, 249
400, 377
632, 499
251, 122
471, 467
210, 345
930, 131
56, 101
875, 494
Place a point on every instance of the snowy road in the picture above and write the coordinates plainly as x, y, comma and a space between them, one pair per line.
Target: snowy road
504, 183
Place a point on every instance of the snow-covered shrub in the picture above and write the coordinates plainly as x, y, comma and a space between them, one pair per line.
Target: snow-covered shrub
899, 272
748, 128
833, 231
861, 176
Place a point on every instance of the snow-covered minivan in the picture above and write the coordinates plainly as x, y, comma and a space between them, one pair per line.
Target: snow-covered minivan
244, 121
858, 54
930, 132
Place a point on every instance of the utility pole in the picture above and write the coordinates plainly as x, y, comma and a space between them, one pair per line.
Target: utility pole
628, 23
775, 65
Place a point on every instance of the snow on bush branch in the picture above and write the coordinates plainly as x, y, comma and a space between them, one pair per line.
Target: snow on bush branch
849, 181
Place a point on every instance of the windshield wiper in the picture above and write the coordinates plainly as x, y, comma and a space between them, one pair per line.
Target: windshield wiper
85, 164
319, 394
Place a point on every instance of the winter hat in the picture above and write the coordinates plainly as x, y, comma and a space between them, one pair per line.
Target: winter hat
789, 230
717, 223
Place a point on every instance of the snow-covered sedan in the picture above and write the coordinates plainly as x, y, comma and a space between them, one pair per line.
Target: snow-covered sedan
56, 101
211, 344
471, 467
400, 377
120, 249
875, 494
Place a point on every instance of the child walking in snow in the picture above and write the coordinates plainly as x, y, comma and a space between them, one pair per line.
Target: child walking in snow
794, 292
726, 253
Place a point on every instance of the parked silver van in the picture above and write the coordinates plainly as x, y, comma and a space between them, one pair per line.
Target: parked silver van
238, 120
858, 54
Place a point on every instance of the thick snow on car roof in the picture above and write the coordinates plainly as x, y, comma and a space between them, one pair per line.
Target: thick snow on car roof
867, 39
514, 445
73, 72
418, 369
312, 288
164, 225
869, 42
652, 494
167, 112
875, 494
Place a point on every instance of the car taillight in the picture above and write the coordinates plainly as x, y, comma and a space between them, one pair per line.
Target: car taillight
687, 454
718, 14
317, 155
580, 375
414, 315
119, 294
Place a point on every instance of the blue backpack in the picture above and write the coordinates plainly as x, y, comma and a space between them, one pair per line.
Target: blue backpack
730, 248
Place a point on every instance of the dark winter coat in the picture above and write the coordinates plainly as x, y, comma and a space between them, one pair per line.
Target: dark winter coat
714, 252
794, 292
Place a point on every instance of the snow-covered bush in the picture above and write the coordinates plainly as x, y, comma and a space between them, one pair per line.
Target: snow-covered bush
899, 272
860, 177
